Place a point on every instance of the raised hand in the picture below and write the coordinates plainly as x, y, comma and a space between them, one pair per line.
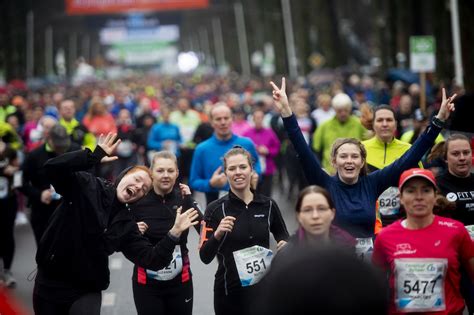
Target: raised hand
225, 226
184, 189
218, 179
184, 221
281, 99
447, 106
107, 144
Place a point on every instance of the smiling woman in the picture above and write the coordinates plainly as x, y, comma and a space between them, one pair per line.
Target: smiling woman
424, 254
236, 229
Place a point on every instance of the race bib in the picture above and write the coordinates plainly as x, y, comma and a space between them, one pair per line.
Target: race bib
389, 202
419, 284
174, 268
364, 248
3, 187
470, 229
252, 264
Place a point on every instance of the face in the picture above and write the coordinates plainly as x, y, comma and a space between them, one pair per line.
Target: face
133, 186
418, 197
384, 125
238, 172
348, 163
342, 114
221, 121
165, 174
315, 215
258, 119
459, 158
67, 110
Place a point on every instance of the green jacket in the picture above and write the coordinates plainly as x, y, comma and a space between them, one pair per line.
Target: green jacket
9, 136
79, 133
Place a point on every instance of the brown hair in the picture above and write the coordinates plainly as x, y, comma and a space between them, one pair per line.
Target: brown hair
138, 168
453, 137
368, 114
316, 190
237, 150
163, 155
363, 153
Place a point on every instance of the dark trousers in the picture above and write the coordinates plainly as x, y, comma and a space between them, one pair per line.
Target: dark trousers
240, 302
87, 304
150, 300
8, 209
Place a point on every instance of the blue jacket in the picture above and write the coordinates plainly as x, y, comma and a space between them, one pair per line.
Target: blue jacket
355, 204
208, 157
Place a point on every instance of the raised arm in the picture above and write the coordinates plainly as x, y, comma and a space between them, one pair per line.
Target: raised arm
313, 171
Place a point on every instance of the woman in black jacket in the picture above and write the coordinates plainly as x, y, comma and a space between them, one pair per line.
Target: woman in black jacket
168, 290
236, 228
92, 222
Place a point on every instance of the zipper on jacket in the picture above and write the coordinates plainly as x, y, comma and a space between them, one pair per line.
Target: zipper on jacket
384, 153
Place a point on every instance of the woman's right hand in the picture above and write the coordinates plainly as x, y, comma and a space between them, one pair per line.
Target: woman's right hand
225, 226
107, 144
281, 99
184, 221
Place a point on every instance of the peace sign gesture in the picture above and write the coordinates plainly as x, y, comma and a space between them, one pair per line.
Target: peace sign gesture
107, 144
280, 98
447, 106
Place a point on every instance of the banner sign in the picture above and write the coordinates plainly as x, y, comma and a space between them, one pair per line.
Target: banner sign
422, 54
81, 7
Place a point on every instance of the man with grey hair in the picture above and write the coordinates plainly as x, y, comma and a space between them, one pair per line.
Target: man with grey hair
342, 125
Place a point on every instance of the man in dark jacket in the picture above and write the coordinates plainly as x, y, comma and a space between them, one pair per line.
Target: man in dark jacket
36, 186
93, 221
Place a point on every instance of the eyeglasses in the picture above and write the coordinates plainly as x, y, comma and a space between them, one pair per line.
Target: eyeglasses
320, 210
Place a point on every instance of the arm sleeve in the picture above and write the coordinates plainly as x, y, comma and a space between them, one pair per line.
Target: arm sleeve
189, 202
197, 181
60, 169
389, 175
208, 245
278, 226
313, 171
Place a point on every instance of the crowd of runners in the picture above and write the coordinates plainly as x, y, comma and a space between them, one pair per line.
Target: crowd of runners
383, 193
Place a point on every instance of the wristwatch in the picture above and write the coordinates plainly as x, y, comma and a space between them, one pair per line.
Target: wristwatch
438, 122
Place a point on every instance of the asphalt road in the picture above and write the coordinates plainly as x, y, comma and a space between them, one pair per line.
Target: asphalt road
118, 298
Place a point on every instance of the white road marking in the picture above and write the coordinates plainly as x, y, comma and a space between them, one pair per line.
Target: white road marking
116, 263
108, 299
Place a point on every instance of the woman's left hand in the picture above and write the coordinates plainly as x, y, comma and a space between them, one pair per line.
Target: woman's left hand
184, 189
447, 106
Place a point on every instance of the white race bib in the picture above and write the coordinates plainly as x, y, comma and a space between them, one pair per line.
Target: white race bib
364, 248
389, 201
470, 229
173, 269
252, 264
419, 284
3, 187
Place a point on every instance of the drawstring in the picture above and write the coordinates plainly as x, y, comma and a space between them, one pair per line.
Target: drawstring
32, 275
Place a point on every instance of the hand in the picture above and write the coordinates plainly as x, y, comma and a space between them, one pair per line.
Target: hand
142, 226
281, 244
254, 180
281, 100
218, 179
46, 196
9, 170
184, 189
262, 150
225, 226
107, 144
184, 221
447, 106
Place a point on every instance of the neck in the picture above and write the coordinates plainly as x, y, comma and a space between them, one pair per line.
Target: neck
223, 138
385, 140
460, 175
245, 195
317, 239
161, 192
416, 223
348, 181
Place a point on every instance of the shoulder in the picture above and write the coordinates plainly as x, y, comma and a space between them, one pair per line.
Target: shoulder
448, 224
213, 208
204, 145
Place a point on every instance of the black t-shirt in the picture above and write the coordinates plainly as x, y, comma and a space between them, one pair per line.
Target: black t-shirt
461, 191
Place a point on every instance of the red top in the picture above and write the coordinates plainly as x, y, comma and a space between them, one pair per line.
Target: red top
444, 238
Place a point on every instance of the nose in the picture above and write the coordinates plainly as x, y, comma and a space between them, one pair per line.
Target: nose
315, 213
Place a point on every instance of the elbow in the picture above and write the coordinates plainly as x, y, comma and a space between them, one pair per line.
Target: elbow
206, 259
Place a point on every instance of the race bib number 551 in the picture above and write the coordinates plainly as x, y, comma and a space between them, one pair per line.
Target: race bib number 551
252, 264
419, 284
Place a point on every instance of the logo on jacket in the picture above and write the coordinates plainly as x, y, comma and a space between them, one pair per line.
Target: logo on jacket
452, 196
404, 249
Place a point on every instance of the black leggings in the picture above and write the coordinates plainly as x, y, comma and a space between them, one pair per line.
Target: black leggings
87, 304
235, 303
8, 208
150, 300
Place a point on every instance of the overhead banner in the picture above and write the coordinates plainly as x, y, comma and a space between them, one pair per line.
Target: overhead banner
81, 7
